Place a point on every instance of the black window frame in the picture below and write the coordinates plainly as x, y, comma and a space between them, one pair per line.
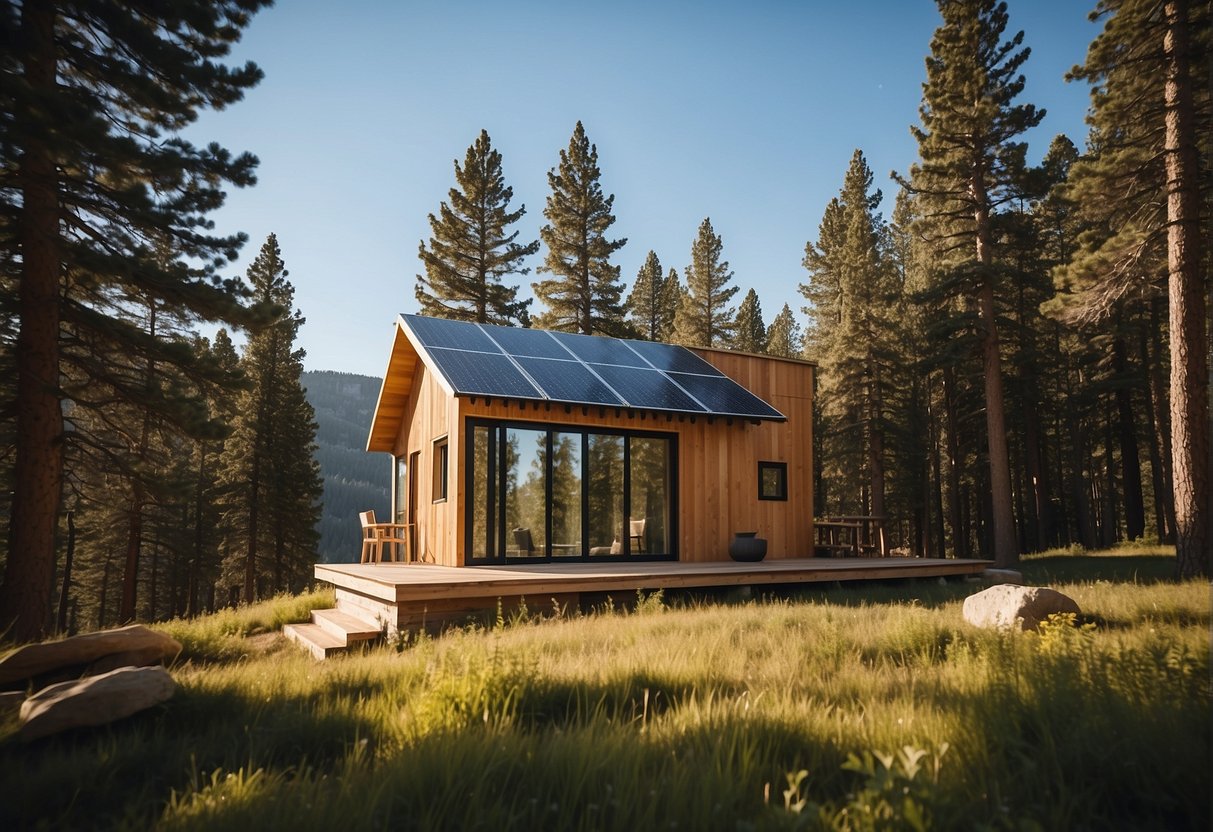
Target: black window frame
496, 538
440, 487
782, 469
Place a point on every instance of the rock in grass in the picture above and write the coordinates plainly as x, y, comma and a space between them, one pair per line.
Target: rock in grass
94, 700
136, 644
1007, 606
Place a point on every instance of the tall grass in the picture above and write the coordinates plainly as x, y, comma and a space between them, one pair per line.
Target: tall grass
696, 715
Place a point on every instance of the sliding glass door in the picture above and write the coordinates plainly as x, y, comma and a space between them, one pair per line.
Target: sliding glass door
561, 492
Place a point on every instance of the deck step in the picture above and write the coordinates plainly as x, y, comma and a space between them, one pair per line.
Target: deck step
346, 626
315, 639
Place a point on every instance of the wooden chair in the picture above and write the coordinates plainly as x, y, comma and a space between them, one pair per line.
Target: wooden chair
378, 538
636, 531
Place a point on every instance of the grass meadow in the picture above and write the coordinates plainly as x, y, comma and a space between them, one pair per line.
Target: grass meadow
839, 707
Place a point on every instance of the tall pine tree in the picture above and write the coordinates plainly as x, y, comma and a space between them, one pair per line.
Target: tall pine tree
648, 310
95, 98
783, 335
1145, 192
751, 332
705, 318
965, 145
470, 251
855, 328
272, 484
585, 293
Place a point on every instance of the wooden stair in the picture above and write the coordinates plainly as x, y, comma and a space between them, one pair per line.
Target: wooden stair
331, 631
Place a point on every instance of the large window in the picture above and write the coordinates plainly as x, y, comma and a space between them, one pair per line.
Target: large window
538, 492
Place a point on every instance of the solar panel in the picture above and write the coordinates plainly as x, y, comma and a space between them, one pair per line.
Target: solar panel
648, 389
483, 374
599, 350
537, 343
568, 381
725, 396
673, 358
508, 362
458, 335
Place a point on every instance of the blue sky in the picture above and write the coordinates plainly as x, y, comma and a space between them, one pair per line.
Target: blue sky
743, 112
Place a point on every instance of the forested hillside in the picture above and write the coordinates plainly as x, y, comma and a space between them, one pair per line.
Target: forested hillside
354, 480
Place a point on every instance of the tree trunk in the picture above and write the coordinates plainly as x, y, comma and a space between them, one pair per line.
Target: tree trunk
1186, 289
1159, 428
876, 460
67, 574
933, 430
960, 531
254, 510
1081, 491
134, 543
25, 595
1130, 460
1109, 523
1004, 546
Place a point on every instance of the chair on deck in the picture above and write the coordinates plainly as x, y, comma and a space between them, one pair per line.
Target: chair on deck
524, 542
380, 538
636, 531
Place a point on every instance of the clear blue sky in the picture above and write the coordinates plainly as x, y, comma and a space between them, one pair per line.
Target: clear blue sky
744, 112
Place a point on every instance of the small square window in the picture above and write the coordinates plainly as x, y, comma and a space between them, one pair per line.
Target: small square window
441, 469
772, 480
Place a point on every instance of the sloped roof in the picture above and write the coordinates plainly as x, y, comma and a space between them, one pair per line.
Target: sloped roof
473, 359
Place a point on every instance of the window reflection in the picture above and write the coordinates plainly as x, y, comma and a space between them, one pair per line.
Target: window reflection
525, 492
566, 495
649, 521
597, 495
606, 494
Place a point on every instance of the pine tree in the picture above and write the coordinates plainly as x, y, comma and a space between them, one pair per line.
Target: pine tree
672, 293
783, 335
751, 333
704, 317
470, 252
271, 481
1141, 189
965, 147
648, 311
855, 327
585, 295
96, 98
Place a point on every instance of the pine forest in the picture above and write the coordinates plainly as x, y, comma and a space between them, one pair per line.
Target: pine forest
1012, 357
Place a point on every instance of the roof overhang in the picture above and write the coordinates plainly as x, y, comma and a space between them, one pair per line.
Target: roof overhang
394, 394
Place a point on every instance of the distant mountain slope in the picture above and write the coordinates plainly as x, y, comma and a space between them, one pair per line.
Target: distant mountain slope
354, 480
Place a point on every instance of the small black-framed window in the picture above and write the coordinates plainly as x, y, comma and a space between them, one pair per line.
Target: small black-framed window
772, 481
441, 469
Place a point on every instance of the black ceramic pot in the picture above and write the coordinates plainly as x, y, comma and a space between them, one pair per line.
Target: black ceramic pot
747, 547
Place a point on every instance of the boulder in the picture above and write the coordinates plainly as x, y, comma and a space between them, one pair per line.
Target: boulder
138, 644
1007, 606
94, 700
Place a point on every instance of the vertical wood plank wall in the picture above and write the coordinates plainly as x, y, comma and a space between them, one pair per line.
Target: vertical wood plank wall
432, 413
717, 461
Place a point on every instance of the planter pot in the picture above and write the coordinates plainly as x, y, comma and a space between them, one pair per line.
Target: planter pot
747, 547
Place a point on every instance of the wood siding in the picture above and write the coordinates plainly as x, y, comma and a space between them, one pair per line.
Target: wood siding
717, 457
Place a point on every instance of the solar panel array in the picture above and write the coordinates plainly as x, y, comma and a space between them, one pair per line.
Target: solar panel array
506, 362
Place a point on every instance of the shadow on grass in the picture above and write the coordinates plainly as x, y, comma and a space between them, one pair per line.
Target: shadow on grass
70, 780
1119, 569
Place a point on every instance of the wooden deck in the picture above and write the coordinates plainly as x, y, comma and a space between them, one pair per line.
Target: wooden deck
407, 595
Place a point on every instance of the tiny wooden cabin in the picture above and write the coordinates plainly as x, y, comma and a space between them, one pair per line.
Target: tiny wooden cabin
523, 446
